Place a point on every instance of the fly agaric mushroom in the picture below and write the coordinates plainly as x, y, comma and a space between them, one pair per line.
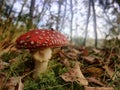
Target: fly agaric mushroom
40, 43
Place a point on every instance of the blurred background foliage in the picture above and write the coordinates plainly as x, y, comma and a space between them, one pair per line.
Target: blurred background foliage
20, 16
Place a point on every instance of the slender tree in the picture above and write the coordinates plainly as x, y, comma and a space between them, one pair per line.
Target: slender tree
91, 3
11, 9
87, 22
21, 10
2, 3
58, 16
94, 21
32, 7
42, 12
64, 14
71, 19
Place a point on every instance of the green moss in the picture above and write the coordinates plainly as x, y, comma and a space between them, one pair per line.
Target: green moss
8, 56
50, 80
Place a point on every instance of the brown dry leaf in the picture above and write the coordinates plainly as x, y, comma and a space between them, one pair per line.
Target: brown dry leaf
85, 52
72, 55
75, 74
96, 50
95, 71
75, 51
20, 85
2, 79
89, 59
14, 83
69, 55
3, 65
95, 81
56, 51
62, 54
110, 72
65, 62
14, 61
98, 88
8, 48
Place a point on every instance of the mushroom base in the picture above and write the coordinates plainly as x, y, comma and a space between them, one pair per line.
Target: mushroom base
41, 57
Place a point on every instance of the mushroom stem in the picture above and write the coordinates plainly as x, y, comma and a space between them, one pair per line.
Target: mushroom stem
41, 57
40, 67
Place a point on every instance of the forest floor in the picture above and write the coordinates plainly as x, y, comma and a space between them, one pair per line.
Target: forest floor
70, 68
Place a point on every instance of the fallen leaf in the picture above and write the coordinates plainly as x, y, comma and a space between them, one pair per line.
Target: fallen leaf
14, 83
6, 49
65, 62
94, 71
98, 88
95, 81
89, 59
56, 51
110, 72
75, 51
2, 79
3, 65
85, 52
20, 85
70, 52
14, 61
96, 51
75, 74
62, 54
72, 55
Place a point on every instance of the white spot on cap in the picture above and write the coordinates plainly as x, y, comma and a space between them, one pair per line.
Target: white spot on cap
54, 31
36, 32
25, 43
50, 44
32, 42
51, 37
43, 31
55, 41
40, 37
28, 36
48, 32
22, 41
58, 36
44, 44
47, 39
43, 34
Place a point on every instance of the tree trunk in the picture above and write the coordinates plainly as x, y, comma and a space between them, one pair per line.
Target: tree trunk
64, 14
32, 7
71, 20
19, 15
1, 6
11, 9
95, 24
87, 22
58, 16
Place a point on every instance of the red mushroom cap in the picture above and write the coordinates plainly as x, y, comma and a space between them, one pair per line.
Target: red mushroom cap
41, 38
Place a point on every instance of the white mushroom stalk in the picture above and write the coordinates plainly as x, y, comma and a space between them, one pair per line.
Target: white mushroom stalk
41, 56
41, 41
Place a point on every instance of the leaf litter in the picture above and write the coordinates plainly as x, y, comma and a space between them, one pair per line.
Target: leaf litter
93, 68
